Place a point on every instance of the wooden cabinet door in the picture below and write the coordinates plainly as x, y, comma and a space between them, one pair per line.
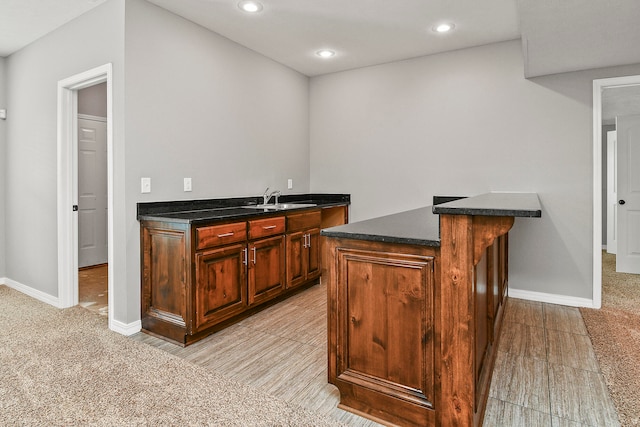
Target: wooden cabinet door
266, 269
221, 284
312, 255
384, 325
295, 259
303, 257
164, 280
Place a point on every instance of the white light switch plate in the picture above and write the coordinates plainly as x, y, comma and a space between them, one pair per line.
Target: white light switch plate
187, 184
289, 184
145, 185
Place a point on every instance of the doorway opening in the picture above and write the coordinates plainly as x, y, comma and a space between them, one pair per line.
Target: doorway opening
69, 203
599, 201
92, 198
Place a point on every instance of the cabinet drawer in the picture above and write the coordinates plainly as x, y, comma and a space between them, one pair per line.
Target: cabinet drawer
304, 220
266, 227
217, 235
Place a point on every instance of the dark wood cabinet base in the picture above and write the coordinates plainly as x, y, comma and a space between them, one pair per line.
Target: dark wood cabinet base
200, 278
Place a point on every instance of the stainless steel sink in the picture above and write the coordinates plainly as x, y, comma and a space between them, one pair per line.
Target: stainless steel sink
281, 206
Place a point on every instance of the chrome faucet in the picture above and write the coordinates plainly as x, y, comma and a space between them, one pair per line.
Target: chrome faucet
266, 196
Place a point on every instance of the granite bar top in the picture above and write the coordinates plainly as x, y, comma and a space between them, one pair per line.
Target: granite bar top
210, 210
422, 226
494, 204
415, 227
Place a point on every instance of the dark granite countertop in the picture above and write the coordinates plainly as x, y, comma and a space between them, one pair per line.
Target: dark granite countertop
422, 226
211, 210
416, 227
494, 204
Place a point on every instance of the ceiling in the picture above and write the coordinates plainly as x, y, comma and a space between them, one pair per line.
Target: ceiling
24, 21
569, 35
361, 32
557, 35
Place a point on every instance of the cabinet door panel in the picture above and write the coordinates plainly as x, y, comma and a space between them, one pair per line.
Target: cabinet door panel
266, 269
385, 315
482, 310
295, 262
312, 257
220, 284
164, 283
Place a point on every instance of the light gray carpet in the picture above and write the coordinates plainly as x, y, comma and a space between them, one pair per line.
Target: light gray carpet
65, 368
615, 333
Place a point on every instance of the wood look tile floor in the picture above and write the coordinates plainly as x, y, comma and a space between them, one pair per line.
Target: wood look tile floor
93, 289
546, 373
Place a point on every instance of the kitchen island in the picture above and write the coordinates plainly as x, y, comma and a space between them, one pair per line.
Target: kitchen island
415, 306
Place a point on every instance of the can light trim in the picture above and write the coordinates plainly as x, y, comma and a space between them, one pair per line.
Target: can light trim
250, 6
325, 53
444, 27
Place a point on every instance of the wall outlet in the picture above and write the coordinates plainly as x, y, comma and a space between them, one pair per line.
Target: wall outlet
145, 185
289, 184
187, 184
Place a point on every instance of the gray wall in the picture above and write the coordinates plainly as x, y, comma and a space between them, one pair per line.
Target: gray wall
465, 123
94, 39
201, 106
93, 100
3, 159
198, 105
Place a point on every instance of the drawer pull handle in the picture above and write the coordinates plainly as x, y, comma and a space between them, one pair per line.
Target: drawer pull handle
269, 227
226, 234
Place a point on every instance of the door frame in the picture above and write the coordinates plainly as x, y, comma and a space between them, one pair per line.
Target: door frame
612, 171
598, 86
67, 164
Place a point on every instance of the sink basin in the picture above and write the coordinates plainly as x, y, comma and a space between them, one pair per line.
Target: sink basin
281, 206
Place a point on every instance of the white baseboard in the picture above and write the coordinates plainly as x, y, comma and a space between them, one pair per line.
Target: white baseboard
125, 328
551, 298
115, 325
33, 293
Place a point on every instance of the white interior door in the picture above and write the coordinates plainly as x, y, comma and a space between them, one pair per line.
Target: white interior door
612, 192
628, 218
92, 191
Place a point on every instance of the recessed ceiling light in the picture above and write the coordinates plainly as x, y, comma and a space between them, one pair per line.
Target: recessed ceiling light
250, 6
444, 27
325, 53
